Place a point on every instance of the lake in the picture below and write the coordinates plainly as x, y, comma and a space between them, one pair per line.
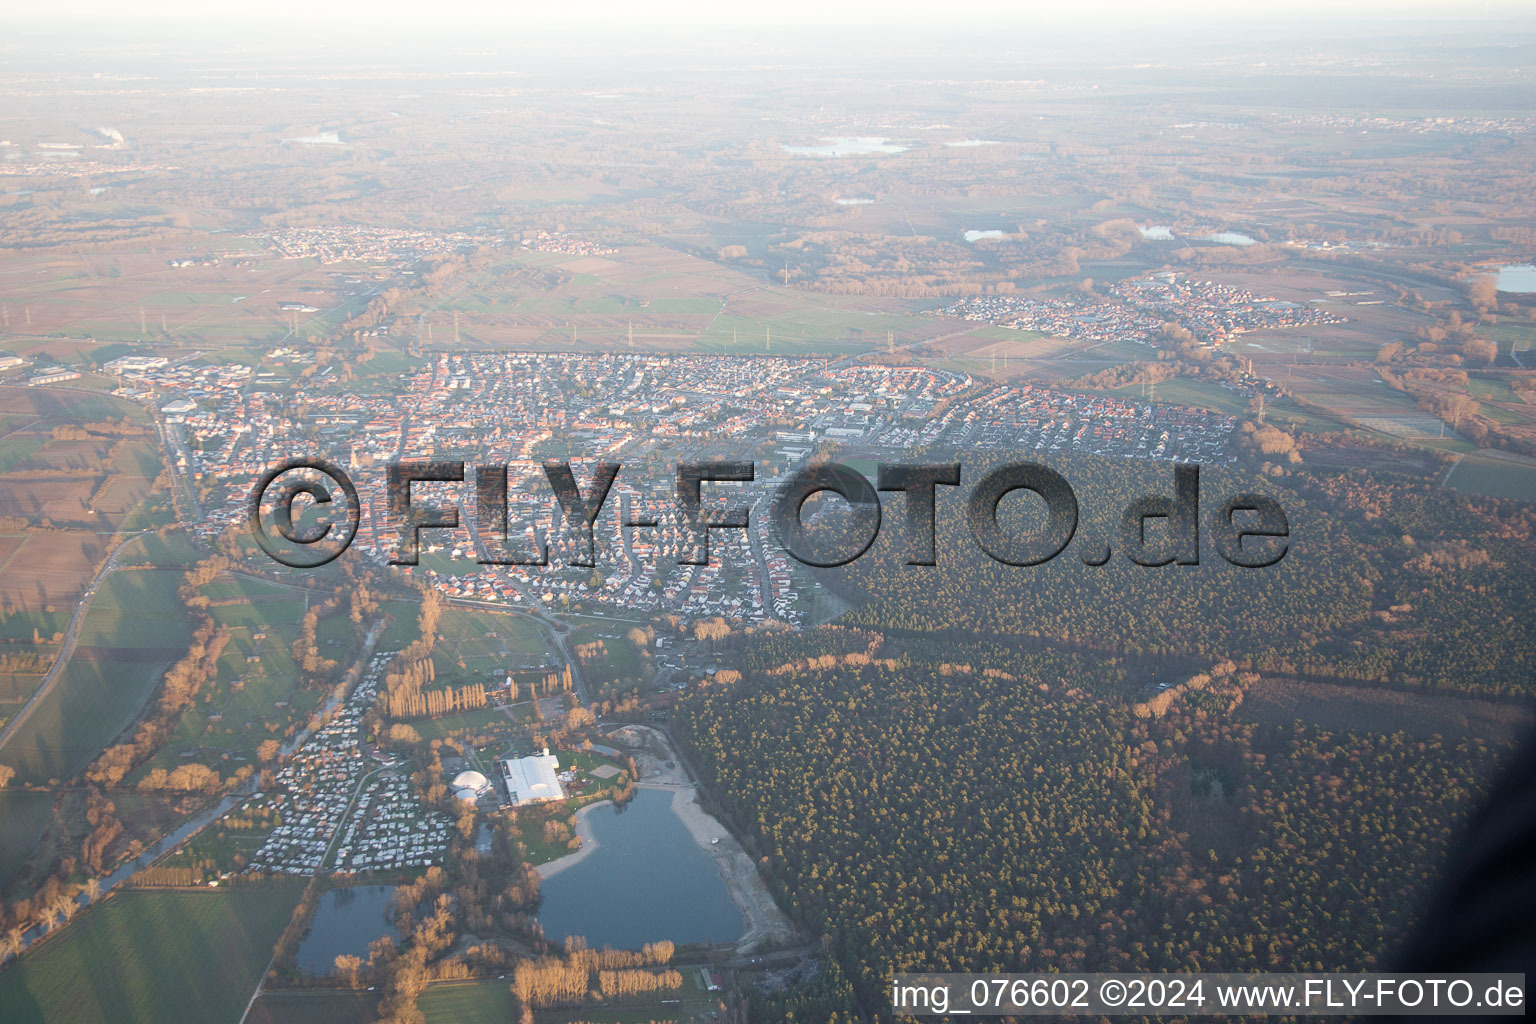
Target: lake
646, 880
347, 921
1517, 278
979, 236
323, 139
847, 145
1157, 233
1230, 238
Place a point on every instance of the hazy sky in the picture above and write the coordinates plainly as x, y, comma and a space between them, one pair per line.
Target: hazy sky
599, 15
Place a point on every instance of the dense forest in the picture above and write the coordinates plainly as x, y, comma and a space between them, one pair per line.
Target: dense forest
987, 812
1385, 580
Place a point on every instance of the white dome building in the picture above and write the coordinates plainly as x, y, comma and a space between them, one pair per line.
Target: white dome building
471, 782
467, 796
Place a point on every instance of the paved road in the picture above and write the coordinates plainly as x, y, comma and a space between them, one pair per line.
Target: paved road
68, 646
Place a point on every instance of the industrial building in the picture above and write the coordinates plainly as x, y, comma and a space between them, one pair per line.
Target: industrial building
532, 779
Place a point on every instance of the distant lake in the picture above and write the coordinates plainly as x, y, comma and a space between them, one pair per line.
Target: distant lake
323, 139
347, 921
1517, 278
847, 145
978, 236
1230, 238
646, 880
853, 201
967, 143
1157, 233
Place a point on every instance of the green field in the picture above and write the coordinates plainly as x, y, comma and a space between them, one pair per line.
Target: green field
315, 1007
255, 696
20, 624
96, 698
152, 956
620, 663
490, 644
401, 631
1495, 477
174, 550
803, 332
468, 1002
135, 629
135, 608
25, 814
15, 690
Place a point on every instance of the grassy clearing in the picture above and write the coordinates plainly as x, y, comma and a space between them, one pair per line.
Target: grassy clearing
476, 721
1342, 708
255, 695
489, 644
618, 662
1494, 477
152, 956
171, 551
18, 626
402, 630
1487, 388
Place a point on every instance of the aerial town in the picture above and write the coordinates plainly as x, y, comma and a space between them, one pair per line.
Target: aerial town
368, 655
644, 410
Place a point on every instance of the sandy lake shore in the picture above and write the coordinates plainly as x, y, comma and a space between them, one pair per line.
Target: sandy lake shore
660, 769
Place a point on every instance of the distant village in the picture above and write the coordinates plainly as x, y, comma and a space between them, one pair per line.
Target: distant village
1212, 313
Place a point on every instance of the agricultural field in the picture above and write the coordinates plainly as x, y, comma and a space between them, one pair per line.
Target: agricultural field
1494, 474
26, 814
1360, 394
168, 549
79, 465
134, 629
152, 956
129, 297
655, 299
316, 1007
255, 696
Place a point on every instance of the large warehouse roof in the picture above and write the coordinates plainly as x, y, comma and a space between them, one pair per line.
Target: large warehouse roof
531, 779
